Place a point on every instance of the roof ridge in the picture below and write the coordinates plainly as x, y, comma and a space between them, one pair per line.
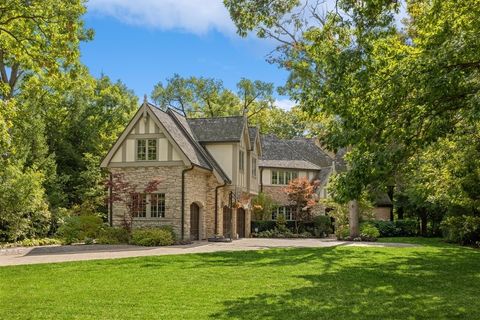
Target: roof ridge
221, 117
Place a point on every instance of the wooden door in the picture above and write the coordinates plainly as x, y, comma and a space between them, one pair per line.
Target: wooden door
241, 222
194, 222
227, 222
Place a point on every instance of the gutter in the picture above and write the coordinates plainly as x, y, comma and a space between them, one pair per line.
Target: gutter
216, 206
183, 199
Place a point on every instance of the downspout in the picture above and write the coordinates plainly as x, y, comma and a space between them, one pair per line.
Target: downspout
110, 202
261, 179
216, 206
183, 200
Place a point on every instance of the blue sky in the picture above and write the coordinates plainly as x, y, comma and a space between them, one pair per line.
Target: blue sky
142, 42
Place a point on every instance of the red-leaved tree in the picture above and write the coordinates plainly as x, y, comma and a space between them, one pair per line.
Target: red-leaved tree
126, 193
301, 193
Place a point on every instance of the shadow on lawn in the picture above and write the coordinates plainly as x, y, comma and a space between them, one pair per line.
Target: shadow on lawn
353, 285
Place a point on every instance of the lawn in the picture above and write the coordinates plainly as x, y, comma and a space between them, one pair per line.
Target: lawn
435, 281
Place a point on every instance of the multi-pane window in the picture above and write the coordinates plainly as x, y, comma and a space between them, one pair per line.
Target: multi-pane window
254, 167
241, 160
283, 177
157, 205
151, 205
139, 205
146, 149
285, 211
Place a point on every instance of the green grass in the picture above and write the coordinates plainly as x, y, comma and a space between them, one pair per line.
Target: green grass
435, 281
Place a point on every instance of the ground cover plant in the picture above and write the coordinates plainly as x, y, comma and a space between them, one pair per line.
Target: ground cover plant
434, 281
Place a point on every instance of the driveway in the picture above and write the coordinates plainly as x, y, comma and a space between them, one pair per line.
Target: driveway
48, 254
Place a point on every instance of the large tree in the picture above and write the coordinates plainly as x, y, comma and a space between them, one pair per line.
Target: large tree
384, 93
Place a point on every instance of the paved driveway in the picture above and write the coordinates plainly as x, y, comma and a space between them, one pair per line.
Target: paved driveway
47, 254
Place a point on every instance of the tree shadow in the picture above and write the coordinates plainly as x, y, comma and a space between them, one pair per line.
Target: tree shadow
419, 285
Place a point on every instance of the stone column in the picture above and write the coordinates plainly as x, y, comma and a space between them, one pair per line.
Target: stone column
234, 223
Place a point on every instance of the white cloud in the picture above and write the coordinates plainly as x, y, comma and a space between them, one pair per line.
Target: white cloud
194, 16
285, 104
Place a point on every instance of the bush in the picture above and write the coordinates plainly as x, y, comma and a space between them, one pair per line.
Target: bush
80, 228
32, 243
463, 229
277, 233
150, 237
342, 232
110, 235
262, 226
368, 232
398, 228
322, 226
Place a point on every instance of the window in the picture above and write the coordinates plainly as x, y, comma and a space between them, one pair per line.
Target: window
283, 177
254, 167
241, 160
157, 205
139, 205
285, 211
146, 149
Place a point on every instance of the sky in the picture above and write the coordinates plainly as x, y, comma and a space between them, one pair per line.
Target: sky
142, 42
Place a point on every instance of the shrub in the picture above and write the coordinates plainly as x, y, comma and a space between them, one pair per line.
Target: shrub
150, 237
462, 229
368, 232
406, 228
262, 226
398, 228
32, 243
276, 233
322, 226
80, 228
110, 235
342, 232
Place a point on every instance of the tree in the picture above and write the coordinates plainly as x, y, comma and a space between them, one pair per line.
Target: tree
385, 93
40, 37
126, 194
263, 205
301, 193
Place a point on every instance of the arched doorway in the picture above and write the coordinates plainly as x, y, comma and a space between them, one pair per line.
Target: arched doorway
227, 222
194, 222
241, 222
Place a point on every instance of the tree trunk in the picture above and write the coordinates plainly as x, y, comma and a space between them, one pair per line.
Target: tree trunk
353, 220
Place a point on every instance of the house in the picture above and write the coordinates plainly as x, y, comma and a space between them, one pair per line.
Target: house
207, 168
207, 171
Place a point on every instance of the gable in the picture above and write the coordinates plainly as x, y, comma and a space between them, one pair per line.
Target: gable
144, 126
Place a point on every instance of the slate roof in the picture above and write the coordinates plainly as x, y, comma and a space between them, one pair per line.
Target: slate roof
382, 199
298, 153
183, 124
221, 129
252, 133
291, 164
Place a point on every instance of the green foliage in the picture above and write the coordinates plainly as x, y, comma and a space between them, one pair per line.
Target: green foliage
80, 228
340, 211
111, 235
281, 223
263, 205
323, 225
342, 232
464, 230
368, 232
23, 209
151, 237
281, 233
32, 242
263, 225
398, 228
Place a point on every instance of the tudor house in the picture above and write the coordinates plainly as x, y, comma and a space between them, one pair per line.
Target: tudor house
208, 169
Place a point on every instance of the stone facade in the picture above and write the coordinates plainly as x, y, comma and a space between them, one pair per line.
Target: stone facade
278, 194
382, 213
170, 177
200, 188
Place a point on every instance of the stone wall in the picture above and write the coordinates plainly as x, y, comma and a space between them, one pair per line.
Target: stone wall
277, 193
170, 177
